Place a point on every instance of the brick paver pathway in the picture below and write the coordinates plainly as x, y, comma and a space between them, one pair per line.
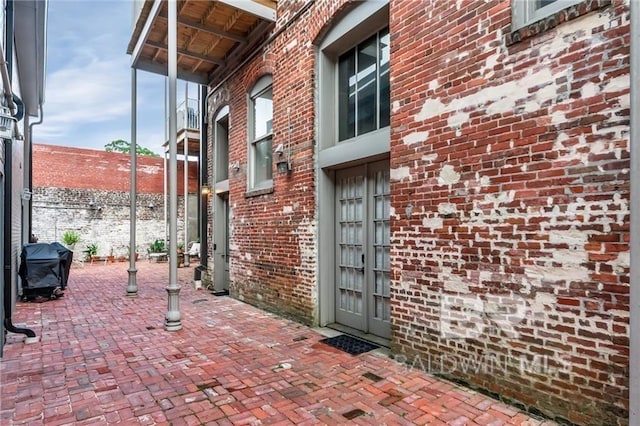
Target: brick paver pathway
104, 358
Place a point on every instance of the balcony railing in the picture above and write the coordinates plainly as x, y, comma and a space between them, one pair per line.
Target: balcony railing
187, 116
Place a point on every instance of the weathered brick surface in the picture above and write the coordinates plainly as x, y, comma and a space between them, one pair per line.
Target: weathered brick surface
88, 191
510, 186
81, 168
273, 236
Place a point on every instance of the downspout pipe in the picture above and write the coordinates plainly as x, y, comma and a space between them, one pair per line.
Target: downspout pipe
634, 281
30, 161
5, 66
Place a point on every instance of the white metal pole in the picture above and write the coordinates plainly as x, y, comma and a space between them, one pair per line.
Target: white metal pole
634, 286
173, 320
186, 174
132, 286
165, 170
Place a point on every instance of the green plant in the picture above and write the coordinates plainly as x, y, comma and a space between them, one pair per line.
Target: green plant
70, 237
92, 249
157, 246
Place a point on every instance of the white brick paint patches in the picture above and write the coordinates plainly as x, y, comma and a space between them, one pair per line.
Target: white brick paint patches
417, 137
105, 223
522, 199
448, 175
400, 174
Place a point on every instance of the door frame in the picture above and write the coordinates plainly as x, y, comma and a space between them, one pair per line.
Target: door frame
326, 197
221, 222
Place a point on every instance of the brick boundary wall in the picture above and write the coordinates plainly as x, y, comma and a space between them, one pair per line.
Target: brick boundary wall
87, 191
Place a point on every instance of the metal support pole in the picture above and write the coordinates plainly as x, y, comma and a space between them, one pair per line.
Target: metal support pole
203, 176
173, 320
186, 174
132, 286
634, 233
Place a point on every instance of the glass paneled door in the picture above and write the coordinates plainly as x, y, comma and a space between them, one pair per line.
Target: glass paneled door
221, 243
362, 248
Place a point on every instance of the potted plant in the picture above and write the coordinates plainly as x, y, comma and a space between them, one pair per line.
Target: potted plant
157, 247
157, 251
91, 251
70, 238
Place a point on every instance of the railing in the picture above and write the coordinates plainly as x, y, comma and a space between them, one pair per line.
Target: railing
187, 115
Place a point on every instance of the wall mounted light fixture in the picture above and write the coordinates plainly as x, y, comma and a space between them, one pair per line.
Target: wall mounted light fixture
151, 206
205, 190
284, 156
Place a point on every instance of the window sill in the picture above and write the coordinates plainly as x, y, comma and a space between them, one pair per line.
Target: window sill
554, 20
258, 191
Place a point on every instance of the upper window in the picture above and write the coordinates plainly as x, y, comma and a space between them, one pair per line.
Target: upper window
363, 87
260, 134
526, 12
221, 137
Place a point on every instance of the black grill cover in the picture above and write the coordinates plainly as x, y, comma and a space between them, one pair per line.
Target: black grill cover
40, 266
66, 257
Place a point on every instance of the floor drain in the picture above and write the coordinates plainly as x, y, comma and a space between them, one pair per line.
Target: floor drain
373, 377
349, 415
199, 301
150, 327
300, 338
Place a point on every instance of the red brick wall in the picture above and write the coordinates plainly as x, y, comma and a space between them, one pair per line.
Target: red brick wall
510, 186
67, 167
273, 235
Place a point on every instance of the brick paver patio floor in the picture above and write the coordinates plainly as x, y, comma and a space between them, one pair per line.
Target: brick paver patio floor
104, 358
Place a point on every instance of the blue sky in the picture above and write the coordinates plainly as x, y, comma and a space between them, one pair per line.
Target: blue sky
88, 89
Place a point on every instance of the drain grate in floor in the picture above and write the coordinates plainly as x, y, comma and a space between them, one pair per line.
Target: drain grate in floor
220, 293
350, 415
349, 344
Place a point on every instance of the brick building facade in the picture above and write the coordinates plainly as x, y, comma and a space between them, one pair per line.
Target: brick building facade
87, 191
459, 186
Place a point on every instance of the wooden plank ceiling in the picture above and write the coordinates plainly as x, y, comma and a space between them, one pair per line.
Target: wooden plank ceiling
213, 36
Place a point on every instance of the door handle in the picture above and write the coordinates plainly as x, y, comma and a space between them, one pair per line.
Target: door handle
361, 269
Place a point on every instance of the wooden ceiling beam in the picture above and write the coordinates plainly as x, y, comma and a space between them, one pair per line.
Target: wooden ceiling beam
184, 52
206, 29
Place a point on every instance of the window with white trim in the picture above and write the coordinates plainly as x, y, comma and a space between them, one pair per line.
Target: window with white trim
363, 87
526, 12
261, 134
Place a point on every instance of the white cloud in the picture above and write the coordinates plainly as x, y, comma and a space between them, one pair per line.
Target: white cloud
88, 88
94, 93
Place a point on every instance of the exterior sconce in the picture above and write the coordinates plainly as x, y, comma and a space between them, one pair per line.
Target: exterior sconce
205, 190
284, 155
235, 166
283, 165
151, 206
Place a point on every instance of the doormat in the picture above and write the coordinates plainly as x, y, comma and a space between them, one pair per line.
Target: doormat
220, 293
350, 344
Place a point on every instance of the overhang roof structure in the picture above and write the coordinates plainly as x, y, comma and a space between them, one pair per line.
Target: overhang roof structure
213, 36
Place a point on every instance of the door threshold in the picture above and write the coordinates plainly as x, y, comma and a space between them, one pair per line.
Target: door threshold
380, 341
